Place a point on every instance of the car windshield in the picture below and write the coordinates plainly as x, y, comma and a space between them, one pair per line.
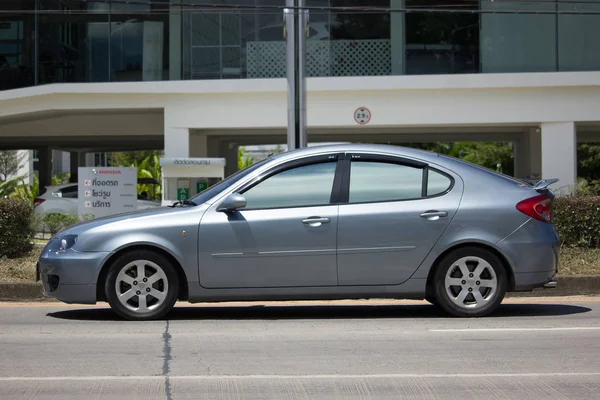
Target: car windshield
212, 191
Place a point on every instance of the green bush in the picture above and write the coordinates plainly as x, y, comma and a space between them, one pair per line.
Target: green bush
16, 227
577, 219
54, 223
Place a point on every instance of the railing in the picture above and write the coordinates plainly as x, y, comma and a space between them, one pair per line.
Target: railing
323, 58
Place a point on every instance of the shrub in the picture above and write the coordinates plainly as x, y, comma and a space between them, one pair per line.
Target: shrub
55, 222
16, 227
577, 219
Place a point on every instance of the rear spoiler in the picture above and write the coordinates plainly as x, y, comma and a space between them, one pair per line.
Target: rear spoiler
541, 185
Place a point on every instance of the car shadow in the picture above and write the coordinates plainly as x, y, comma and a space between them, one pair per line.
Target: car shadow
275, 312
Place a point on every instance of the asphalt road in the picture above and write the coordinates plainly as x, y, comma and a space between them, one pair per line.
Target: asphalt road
531, 349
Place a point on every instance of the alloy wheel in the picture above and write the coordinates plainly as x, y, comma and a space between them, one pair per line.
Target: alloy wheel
142, 286
471, 283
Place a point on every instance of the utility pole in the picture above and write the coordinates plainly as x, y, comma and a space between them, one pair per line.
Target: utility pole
295, 32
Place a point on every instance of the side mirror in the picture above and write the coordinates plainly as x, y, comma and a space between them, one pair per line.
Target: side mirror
233, 202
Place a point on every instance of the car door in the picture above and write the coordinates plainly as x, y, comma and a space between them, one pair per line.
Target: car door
395, 212
284, 237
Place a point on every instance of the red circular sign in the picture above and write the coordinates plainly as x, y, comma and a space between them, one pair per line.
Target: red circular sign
362, 115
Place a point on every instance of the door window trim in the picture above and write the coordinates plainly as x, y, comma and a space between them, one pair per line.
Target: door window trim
389, 159
336, 188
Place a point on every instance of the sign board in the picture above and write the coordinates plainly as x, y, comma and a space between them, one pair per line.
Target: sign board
362, 115
192, 162
183, 193
107, 191
200, 186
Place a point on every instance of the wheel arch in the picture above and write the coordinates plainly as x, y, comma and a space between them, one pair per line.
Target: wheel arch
183, 282
436, 264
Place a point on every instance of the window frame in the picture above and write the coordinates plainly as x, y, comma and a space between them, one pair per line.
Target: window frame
334, 197
389, 159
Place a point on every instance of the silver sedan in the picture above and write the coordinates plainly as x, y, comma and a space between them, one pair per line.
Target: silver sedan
327, 222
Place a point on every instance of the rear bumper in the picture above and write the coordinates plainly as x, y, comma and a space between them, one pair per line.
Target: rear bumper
533, 252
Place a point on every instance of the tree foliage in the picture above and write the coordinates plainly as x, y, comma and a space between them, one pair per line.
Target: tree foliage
10, 163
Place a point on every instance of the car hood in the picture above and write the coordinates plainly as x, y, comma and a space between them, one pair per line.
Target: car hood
119, 218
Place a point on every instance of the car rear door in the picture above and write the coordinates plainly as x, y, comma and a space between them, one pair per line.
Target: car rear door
395, 211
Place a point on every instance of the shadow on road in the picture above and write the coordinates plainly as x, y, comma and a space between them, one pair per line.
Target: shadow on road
274, 312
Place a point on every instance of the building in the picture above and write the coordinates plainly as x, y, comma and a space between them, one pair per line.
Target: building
89, 77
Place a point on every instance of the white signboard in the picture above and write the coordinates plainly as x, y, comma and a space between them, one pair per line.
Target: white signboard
107, 191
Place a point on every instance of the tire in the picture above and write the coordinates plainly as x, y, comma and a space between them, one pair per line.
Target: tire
431, 300
125, 272
485, 274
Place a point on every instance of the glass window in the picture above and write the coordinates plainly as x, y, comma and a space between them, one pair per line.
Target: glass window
378, 181
70, 192
308, 185
441, 42
17, 44
437, 183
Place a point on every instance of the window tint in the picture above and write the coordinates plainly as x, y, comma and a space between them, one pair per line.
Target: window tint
437, 183
378, 181
70, 192
308, 185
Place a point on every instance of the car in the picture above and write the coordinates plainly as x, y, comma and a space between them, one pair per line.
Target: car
62, 199
343, 221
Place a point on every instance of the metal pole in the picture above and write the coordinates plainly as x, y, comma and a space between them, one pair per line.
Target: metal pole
290, 36
301, 78
295, 23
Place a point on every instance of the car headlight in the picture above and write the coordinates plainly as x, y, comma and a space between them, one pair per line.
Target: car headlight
67, 242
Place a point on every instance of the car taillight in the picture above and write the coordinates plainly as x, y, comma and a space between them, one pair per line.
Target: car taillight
538, 207
37, 202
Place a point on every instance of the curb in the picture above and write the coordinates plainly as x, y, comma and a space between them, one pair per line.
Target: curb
568, 285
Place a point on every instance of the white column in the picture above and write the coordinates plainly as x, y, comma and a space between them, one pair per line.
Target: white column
397, 38
177, 142
559, 157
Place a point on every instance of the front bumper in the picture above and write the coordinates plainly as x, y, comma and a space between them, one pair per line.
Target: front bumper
70, 276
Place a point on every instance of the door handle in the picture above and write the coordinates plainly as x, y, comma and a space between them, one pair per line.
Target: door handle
315, 221
434, 215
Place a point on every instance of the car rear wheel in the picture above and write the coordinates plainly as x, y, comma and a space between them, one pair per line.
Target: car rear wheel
470, 282
142, 285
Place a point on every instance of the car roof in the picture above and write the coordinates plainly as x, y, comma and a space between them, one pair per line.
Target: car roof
362, 147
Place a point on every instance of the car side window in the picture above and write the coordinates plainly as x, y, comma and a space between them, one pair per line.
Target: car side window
70, 192
437, 183
307, 185
381, 181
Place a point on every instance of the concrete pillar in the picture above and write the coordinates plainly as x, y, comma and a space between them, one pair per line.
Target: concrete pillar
77, 159
45, 167
198, 145
177, 142
519, 154
535, 153
559, 153
231, 158
397, 38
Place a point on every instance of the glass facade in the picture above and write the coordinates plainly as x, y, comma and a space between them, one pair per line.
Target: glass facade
55, 41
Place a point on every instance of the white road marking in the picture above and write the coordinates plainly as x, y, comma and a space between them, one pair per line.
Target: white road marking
334, 376
576, 328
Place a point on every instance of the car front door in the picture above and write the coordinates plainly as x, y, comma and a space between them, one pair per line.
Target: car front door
395, 211
284, 237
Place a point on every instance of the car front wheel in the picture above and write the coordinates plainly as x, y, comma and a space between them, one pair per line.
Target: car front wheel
142, 285
470, 282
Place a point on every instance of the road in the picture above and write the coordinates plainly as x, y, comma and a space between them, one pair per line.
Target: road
543, 348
